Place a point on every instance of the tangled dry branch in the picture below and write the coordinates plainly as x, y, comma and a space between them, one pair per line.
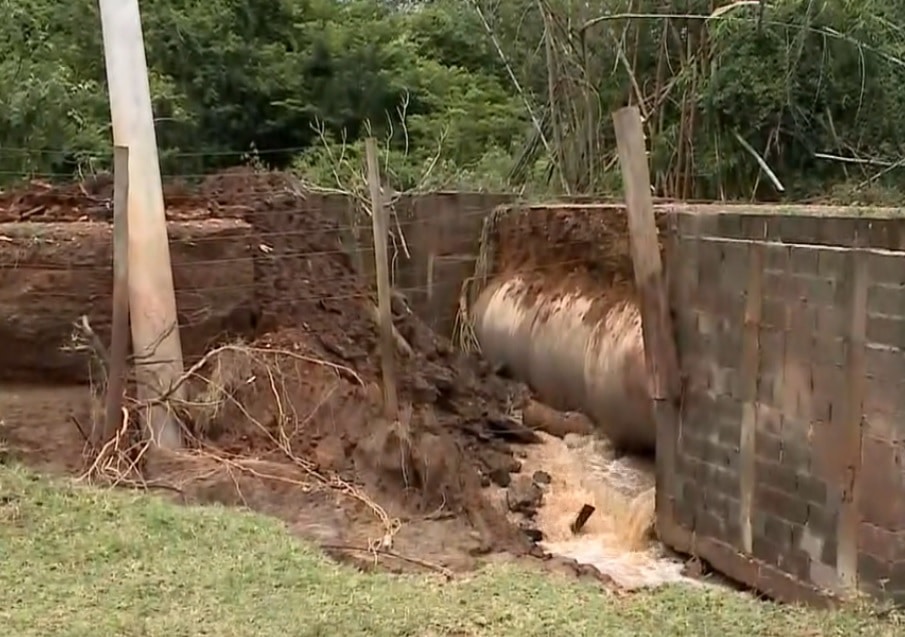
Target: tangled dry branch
212, 384
464, 330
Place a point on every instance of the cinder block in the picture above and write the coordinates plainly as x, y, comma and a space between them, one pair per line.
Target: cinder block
831, 264
804, 260
784, 505
818, 291
886, 331
882, 501
777, 258
886, 300
886, 268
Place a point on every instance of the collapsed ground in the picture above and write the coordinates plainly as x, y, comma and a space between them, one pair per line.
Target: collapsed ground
290, 423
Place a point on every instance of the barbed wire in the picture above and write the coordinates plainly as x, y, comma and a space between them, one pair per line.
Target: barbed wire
199, 311
268, 278
209, 153
221, 174
352, 277
311, 227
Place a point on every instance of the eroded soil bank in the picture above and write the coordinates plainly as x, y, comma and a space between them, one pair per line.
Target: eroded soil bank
289, 420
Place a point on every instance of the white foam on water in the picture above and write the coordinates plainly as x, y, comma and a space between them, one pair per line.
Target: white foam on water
616, 538
628, 569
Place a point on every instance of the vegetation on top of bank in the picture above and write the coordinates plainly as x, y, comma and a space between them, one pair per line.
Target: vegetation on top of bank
739, 97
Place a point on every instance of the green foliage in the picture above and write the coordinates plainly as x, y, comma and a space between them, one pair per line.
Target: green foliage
47, 101
827, 79
303, 81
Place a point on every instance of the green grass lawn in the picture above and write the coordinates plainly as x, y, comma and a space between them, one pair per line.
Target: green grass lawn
78, 561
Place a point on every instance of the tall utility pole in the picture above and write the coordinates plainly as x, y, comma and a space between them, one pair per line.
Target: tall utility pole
155, 331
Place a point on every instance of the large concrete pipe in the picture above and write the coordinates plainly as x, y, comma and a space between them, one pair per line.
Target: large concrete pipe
577, 352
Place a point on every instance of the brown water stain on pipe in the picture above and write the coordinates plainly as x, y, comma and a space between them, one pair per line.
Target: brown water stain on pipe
578, 352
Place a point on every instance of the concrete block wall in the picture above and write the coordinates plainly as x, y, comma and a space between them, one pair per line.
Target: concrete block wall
786, 471
441, 231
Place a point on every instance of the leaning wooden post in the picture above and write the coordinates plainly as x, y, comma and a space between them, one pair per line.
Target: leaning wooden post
384, 312
656, 323
119, 346
152, 301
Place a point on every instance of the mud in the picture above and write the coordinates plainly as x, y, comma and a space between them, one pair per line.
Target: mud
52, 273
567, 239
292, 424
92, 200
562, 249
287, 398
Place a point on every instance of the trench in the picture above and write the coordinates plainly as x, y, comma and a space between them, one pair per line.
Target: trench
584, 354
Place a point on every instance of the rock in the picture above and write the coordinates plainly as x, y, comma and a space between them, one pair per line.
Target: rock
510, 429
440, 377
498, 466
694, 568
563, 566
523, 496
500, 476
541, 477
494, 460
423, 391
540, 417
535, 535
572, 568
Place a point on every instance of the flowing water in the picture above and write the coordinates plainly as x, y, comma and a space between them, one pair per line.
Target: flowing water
617, 537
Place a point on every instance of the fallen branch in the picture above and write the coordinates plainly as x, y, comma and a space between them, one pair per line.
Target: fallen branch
194, 370
119, 462
377, 552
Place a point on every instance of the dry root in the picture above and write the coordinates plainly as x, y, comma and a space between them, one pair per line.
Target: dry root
464, 330
213, 384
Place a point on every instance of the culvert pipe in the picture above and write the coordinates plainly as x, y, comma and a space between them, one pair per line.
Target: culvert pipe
577, 352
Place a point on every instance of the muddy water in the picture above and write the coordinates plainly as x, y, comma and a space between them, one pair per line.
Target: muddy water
617, 538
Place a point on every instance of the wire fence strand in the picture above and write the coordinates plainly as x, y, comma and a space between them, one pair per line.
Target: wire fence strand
256, 241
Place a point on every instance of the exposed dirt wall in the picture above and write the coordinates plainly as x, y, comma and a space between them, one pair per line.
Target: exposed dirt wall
305, 395
53, 273
569, 247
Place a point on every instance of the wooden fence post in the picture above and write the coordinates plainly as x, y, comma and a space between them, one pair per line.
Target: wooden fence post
153, 316
119, 346
656, 323
384, 311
